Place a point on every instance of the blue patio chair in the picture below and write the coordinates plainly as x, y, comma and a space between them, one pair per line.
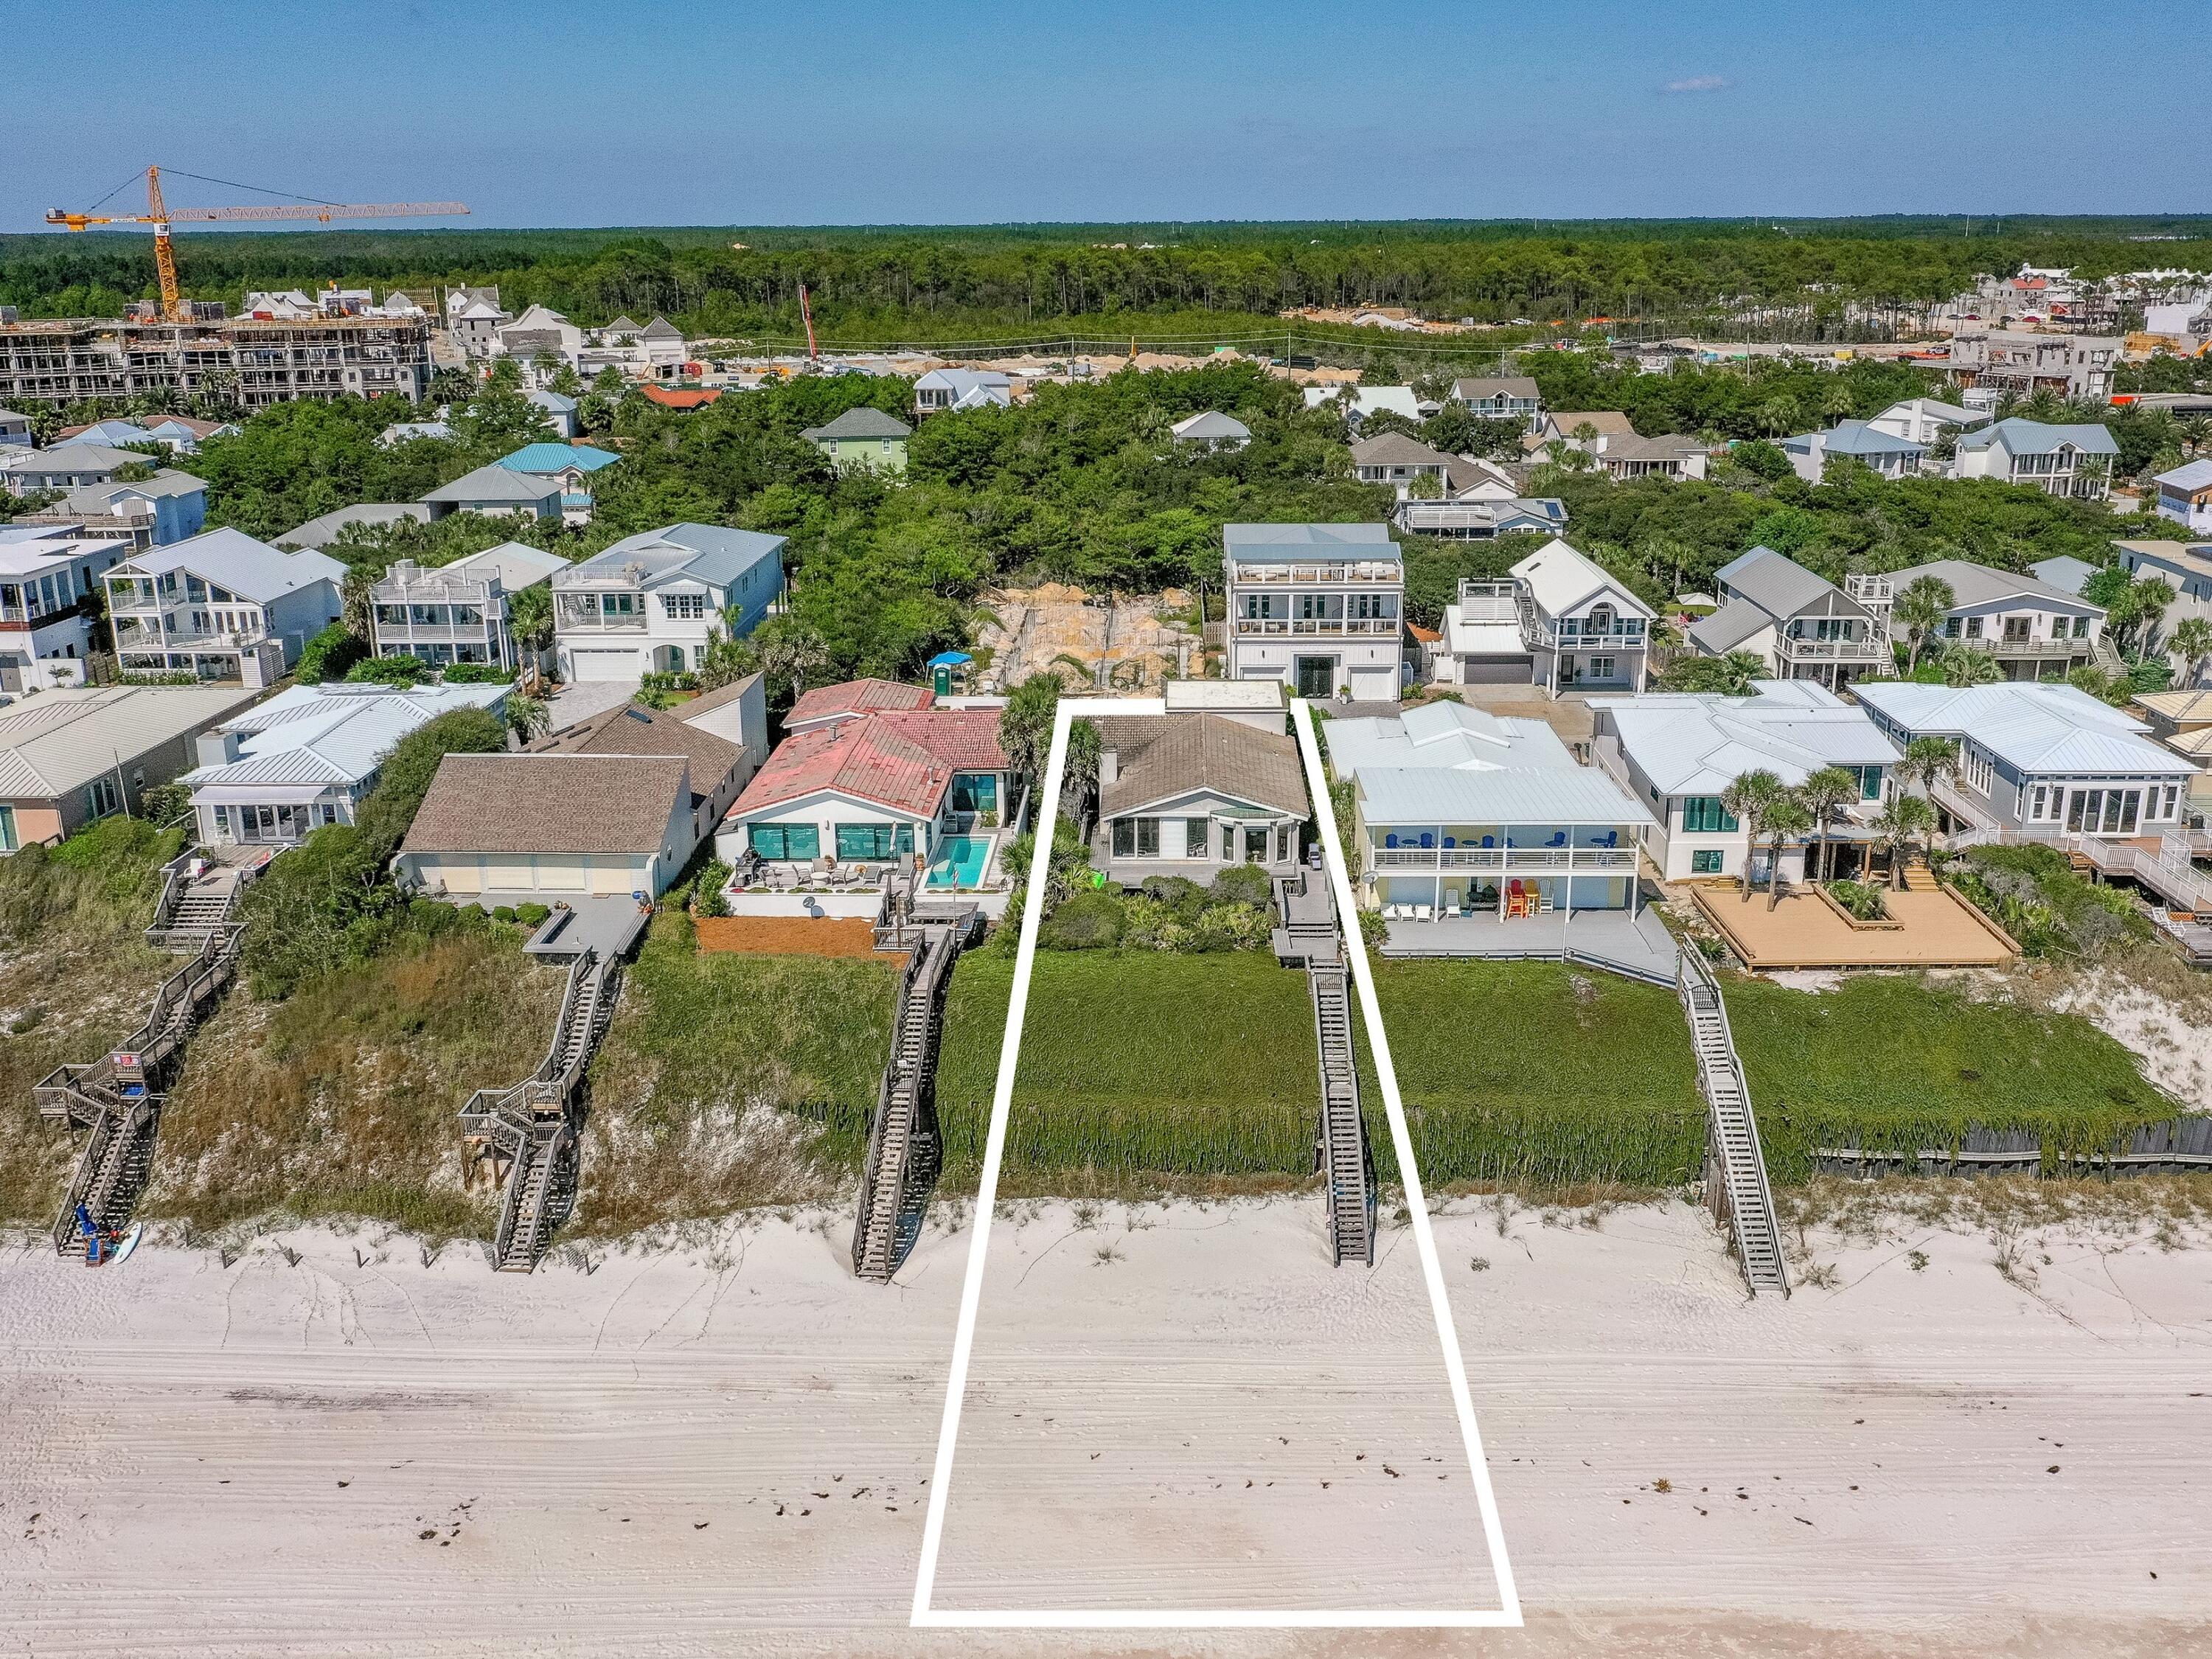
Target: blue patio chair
1451, 841
1490, 841
1613, 838
1559, 840
1428, 838
1390, 839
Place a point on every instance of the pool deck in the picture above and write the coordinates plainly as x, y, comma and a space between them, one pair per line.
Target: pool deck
1938, 929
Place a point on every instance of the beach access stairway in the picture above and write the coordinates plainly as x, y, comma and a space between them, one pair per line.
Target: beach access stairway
117, 1099
1735, 1167
905, 1149
200, 894
533, 1126
1309, 937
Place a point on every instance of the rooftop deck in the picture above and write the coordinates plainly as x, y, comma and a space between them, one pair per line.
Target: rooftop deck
1939, 930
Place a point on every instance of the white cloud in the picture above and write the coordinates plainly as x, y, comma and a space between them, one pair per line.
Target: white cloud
1698, 83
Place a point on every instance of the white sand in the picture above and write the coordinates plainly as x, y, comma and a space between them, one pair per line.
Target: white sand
181, 1431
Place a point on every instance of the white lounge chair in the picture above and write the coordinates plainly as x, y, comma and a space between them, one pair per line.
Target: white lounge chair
1424, 912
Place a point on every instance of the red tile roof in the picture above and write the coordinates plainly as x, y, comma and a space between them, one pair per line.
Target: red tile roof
868, 696
671, 397
903, 761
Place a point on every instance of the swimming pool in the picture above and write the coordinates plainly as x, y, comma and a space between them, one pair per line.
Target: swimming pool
959, 861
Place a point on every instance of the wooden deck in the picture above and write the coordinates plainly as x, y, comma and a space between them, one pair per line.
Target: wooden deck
1939, 930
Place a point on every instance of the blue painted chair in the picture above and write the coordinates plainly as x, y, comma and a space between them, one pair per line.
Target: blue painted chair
1490, 841
1390, 839
1428, 838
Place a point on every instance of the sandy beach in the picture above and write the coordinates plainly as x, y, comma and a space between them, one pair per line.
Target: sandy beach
721, 1447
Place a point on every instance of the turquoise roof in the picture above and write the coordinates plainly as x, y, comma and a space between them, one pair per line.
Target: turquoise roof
557, 458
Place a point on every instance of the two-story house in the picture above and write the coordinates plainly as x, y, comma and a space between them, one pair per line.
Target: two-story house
2037, 631
1560, 620
1320, 607
1500, 398
457, 612
33, 472
1403, 463
2039, 762
2185, 566
1862, 442
2185, 495
942, 390
222, 607
862, 437
15, 431
1802, 626
1673, 455
570, 465
1924, 420
499, 491
1677, 753
48, 578
2079, 367
2060, 460
169, 506
285, 768
650, 603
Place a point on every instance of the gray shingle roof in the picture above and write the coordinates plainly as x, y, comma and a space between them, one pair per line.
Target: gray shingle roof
546, 803
495, 483
1163, 756
863, 423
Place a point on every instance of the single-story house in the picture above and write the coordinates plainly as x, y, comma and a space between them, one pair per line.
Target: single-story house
1191, 795
1210, 430
499, 489
826, 705
1677, 753
70, 756
542, 827
721, 736
942, 390
2185, 495
863, 437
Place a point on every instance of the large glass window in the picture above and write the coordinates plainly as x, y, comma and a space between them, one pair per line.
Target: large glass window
873, 841
975, 792
795, 842
1197, 837
1705, 815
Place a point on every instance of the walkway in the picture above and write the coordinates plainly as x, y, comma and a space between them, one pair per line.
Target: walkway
1639, 945
1939, 930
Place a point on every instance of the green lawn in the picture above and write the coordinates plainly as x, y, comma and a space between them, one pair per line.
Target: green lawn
1136, 1065
1888, 1062
1530, 1072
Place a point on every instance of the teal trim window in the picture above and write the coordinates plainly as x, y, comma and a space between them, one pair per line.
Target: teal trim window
1869, 782
1705, 815
873, 841
797, 842
1706, 861
975, 792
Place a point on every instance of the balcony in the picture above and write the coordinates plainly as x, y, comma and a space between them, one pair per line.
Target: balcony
1254, 627
1502, 858
1867, 650
1362, 570
2034, 649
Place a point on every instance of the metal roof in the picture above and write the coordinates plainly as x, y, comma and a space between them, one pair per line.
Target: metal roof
2019, 436
2034, 726
322, 532
1982, 583
1560, 578
2194, 475
497, 482
1779, 586
332, 733
1443, 735
2065, 572
1694, 744
1728, 627
60, 740
547, 459
1212, 424
1544, 795
1259, 543
232, 559
1861, 438
705, 552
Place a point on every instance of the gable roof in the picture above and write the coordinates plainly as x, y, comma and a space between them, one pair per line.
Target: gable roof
517, 564
631, 729
1160, 756
1780, 587
320, 532
101, 497
60, 740
1477, 387
825, 703
74, 457
1982, 583
558, 403
862, 423
1695, 744
2064, 572
2196, 475
2020, 436
660, 329
1861, 438
232, 559
1560, 578
1211, 425
551, 457
497, 483
903, 762
548, 803
1606, 423
1728, 628
1397, 449
681, 397
316, 735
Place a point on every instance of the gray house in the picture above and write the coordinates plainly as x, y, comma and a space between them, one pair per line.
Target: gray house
2035, 630
1501, 398
1800, 625
457, 612
1191, 795
1886, 453
498, 489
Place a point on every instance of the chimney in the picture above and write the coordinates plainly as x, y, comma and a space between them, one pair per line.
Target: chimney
218, 748
1109, 766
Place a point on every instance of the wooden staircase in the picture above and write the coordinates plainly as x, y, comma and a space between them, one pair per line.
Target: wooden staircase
1919, 879
1735, 1167
535, 1126
1309, 937
905, 1149
117, 1099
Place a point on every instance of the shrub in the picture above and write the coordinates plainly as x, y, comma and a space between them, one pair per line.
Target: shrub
1863, 899
1245, 883
712, 901
329, 655
1089, 921
388, 670
477, 673
502, 912
166, 804
2032, 893
531, 915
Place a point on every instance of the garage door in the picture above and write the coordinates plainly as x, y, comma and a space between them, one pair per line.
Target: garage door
1496, 671
607, 665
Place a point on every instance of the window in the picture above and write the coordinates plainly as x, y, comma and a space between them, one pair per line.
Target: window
1976, 770
1125, 838
1973, 628
975, 792
1706, 861
2081, 628
1950, 628
869, 841
2036, 800
1601, 668
1282, 843
1148, 838
684, 607
794, 842
1869, 783
1704, 815
101, 797
1197, 836
2173, 795
8, 842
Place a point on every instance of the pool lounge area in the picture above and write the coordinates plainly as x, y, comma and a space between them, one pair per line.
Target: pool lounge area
961, 862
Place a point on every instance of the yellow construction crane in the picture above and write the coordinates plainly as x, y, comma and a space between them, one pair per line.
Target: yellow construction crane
161, 216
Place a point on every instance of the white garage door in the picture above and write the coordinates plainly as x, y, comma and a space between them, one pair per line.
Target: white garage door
624, 664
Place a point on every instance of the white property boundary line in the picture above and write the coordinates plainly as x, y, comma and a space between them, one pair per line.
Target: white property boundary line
1508, 1614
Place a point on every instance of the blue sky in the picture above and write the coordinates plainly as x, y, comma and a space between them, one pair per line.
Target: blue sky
975, 110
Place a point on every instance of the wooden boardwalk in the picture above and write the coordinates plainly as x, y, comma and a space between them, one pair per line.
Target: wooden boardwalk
1939, 930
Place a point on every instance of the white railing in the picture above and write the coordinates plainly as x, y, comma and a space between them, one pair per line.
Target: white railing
1371, 571
1502, 858
1834, 650
1256, 625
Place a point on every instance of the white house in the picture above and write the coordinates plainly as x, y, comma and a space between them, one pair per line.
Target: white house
48, 577
1862, 442
649, 603
1677, 753
1193, 794
1319, 607
1671, 455
2185, 495
457, 612
222, 607
15, 430
169, 506
2035, 630
2059, 460
1561, 620
1924, 420
1210, 430
943, 391
1367, 400
306, 757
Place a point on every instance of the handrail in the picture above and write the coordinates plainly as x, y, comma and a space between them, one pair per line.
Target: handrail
1691, 972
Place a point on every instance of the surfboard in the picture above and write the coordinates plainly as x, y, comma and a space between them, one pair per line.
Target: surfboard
127, 1243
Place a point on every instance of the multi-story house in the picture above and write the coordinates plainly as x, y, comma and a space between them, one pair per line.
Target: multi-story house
1561, 620
2185, 495
1862, 442
473, 320
65, 467
221, 606
2035, 630
457, 612
1677, 753
1501, 398
1800, 625
48, 578
2185, 566
1924, 420
306, 757
570, 465
169, 506
15, 430
2079, 367
942, 390
1399, 461
2059, 460
2040, 762
500, 491
1319, 607
650, 603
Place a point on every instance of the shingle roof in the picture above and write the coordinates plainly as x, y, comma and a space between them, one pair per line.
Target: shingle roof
1396, 449
1162, 756
1606, 423
863, 696
632, 730
548, 803
905, 762
1479, 387
2194, 475
863, 423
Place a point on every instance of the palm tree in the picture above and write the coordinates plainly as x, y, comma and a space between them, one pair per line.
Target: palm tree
1749, 797
1079, 780
1825, 793
1921, 608
1970, 664
2191, 641
1787, 816
527, 717
1904, 821
1728, 677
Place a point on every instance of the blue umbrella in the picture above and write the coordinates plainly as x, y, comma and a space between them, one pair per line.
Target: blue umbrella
950, 660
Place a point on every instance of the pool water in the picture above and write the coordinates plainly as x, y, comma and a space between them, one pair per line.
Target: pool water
959, 861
